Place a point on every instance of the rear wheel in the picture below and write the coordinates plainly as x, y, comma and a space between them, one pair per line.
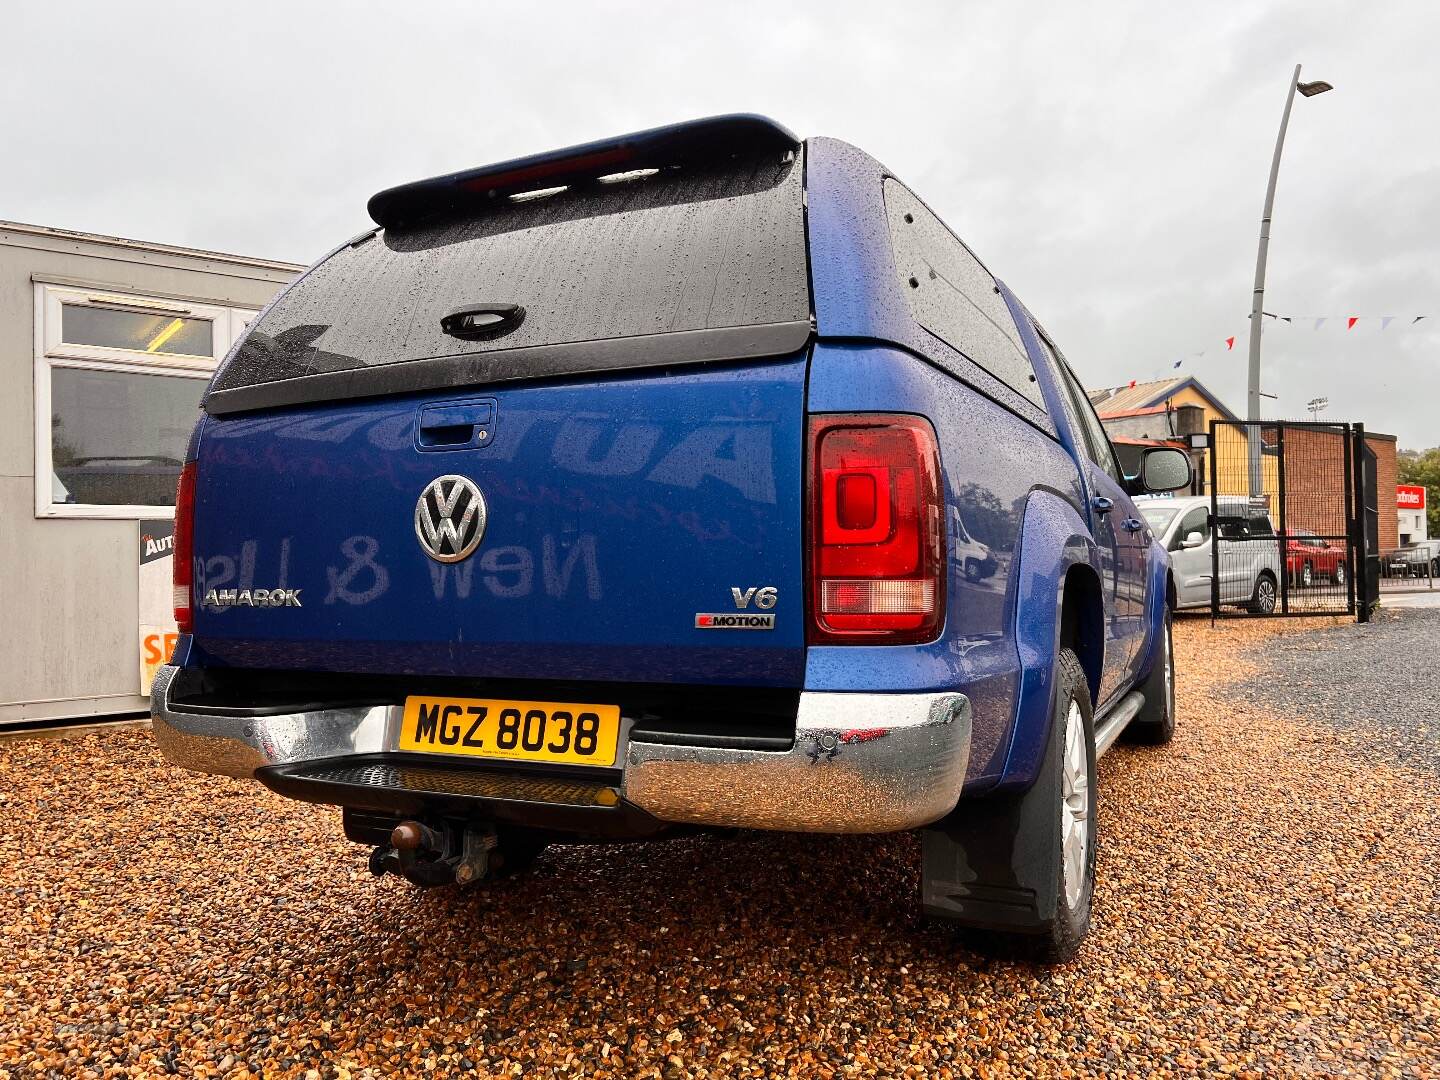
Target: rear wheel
1307, 575
1017, 872
1154, 724
1339, 575
1262, 600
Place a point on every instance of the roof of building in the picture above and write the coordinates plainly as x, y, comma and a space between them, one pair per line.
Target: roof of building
1140, 397
1117, 414
144, 245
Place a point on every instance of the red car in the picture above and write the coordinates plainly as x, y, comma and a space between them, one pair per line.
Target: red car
1307, 557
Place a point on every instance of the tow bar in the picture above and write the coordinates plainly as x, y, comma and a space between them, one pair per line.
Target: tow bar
431, 856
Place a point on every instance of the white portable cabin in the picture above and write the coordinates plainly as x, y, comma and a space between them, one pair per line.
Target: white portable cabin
105, 348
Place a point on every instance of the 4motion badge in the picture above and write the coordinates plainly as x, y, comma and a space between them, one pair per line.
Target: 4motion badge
450, 518
741, 619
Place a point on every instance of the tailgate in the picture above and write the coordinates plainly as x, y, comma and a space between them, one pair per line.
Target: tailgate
618, 512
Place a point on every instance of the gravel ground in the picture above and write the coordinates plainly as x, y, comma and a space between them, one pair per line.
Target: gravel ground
1269, 903
1377, 681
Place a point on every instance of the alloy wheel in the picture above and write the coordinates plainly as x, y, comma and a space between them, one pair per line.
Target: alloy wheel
1075, 807
1169, 675
1265, 595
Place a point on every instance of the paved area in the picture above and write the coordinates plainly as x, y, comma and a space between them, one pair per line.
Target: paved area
1268, 904
1376, 681
1429, 598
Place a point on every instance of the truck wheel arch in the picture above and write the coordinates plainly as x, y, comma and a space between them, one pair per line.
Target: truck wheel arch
1082, 623
1057, 562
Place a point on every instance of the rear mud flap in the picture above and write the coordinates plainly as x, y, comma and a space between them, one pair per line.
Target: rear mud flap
992, 863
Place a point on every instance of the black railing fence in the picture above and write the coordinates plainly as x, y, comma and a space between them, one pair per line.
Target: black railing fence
1293, 519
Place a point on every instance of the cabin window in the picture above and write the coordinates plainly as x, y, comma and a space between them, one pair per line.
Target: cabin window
118, 382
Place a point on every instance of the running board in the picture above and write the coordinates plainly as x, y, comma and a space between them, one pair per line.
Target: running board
1109, 729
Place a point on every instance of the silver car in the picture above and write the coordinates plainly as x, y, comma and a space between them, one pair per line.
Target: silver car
1418, 559
1248, 555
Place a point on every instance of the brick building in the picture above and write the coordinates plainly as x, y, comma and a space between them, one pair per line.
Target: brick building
1315, 472
1168, 411
1163, 412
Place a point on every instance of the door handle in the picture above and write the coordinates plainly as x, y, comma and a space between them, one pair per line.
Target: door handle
455, 425
434, 417
1132, 524
1101, 505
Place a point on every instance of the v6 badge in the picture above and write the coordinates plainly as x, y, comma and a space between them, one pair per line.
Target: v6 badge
764, 597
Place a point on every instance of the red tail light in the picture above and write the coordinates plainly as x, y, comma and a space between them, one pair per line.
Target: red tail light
184, 546
877, 526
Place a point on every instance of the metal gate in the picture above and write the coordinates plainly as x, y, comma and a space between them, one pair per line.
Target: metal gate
1288, 524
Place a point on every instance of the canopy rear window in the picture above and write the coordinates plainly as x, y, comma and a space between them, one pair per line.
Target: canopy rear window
655, 266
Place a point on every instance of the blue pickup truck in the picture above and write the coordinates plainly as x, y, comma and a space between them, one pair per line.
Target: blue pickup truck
695, 479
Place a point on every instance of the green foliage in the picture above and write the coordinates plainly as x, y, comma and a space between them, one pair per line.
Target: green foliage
1424, 469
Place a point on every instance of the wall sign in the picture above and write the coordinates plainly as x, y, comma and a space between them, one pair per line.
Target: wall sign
156, 614
1409, 497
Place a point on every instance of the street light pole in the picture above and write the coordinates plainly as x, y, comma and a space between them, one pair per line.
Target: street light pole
1257, 301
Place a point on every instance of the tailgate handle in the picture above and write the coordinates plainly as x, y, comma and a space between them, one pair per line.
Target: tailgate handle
459, 425
475, 322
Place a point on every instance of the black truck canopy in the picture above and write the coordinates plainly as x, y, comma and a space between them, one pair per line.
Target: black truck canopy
677, 245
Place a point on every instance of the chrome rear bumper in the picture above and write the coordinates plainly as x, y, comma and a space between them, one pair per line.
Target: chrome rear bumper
861, 763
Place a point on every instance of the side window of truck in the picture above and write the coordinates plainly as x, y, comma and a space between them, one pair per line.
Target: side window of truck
953, 296
1051, 359
1090, 427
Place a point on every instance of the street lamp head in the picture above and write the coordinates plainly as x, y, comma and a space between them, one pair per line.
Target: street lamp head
1310, 89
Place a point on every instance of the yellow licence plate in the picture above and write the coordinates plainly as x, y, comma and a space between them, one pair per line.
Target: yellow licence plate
523, 730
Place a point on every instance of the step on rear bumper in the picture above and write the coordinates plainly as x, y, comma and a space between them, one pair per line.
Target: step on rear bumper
860, 763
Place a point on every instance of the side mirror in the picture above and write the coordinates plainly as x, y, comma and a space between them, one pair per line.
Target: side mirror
1164, 468
1192, 540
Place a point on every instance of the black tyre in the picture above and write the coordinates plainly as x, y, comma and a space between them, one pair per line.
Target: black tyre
1154, 724
1307, 575
1262, 600
1079, 789
1017, 872
972, 571
1339, 575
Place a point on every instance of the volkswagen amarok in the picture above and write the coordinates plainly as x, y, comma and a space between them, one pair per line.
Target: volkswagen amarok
700, 478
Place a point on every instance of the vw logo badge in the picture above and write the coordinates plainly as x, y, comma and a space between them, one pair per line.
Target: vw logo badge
450, 518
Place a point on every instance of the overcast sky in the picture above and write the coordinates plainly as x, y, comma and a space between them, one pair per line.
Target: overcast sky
1107, 160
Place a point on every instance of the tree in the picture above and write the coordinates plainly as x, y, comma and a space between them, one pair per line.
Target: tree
1423, 469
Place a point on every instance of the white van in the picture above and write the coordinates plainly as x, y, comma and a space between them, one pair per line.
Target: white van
1249, 552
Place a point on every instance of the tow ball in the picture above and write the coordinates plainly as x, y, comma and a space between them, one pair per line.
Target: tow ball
437, 855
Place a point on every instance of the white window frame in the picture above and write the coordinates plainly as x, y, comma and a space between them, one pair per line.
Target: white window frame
51, 352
